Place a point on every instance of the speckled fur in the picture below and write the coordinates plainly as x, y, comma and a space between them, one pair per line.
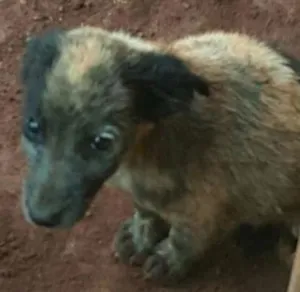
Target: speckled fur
195, 175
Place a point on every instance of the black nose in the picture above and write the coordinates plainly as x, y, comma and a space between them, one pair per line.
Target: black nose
46, 220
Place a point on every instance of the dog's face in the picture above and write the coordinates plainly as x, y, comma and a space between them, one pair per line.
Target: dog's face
84, 95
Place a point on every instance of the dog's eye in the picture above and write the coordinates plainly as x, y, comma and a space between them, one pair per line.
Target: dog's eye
33, 126
103, 141
33, 130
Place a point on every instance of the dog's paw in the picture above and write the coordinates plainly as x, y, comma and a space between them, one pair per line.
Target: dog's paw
125, 249
163, 266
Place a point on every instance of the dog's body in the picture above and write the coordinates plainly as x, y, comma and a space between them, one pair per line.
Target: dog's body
203, 132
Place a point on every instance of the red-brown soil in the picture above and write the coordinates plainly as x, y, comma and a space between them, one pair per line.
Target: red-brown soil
36, 260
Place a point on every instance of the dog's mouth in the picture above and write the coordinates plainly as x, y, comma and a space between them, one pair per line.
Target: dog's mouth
64, 218
63, 215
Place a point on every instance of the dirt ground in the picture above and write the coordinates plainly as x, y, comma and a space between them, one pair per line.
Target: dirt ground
36, 260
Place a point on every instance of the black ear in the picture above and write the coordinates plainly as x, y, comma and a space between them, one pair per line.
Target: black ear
40, 54
162, 85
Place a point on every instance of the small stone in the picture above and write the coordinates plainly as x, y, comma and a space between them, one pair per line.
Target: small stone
88, 214
39, 17
88, 4
186, 5
79, 4
61, 9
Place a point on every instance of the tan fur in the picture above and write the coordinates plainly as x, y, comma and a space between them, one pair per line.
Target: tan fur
225, 59
235, 65
80, 59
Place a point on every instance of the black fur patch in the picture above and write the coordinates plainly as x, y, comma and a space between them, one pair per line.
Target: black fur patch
257, 240
162, 85
39, 56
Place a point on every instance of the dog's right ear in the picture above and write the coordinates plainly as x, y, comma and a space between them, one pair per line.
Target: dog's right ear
40, 53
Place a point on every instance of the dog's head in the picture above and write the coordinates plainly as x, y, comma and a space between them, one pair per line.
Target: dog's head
85, 92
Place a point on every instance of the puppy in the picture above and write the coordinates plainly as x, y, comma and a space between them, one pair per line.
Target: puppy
204, 132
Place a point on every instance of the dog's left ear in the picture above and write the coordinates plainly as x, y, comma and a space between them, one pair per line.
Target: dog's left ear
161, 84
